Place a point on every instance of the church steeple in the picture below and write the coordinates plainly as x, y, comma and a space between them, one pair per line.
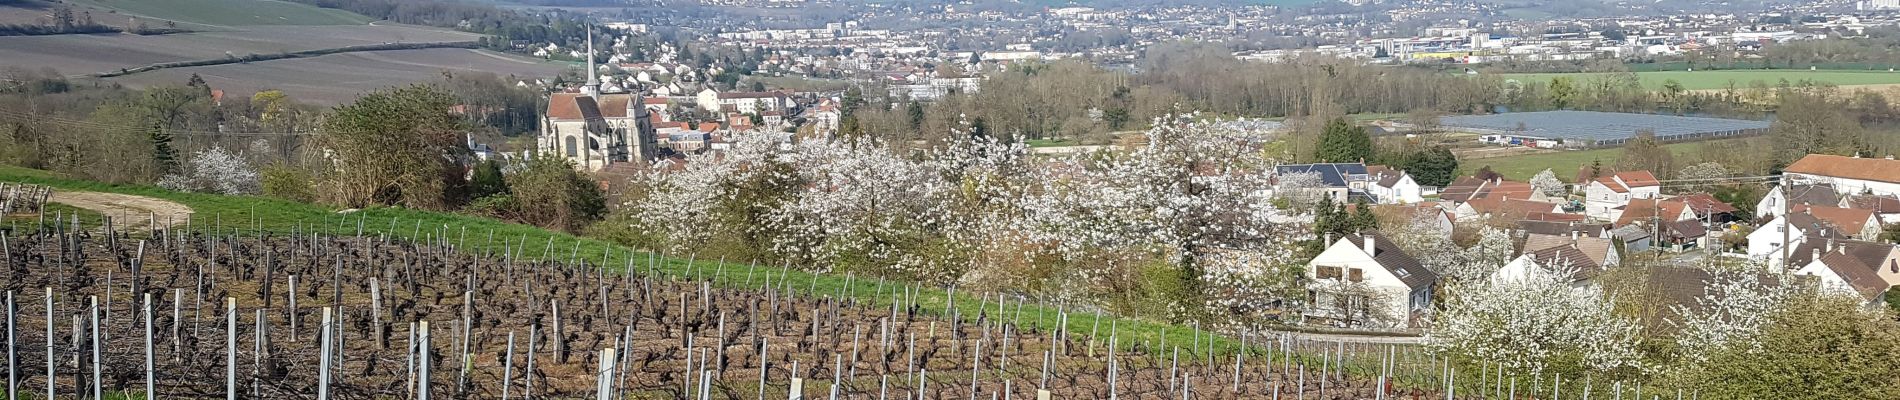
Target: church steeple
592, 87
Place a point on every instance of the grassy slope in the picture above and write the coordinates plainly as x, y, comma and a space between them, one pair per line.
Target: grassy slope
1564, 163
255, 214
1702, 80
232, 12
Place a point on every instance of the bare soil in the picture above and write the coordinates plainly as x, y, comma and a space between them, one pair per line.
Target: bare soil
126, 210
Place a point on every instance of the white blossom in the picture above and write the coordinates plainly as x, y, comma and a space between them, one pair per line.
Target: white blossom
1524, 324
1546, 183
213, 170
1731, 310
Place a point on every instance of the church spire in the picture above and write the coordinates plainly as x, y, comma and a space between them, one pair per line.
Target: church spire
592, 87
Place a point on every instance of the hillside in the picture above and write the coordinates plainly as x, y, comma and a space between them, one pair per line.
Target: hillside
227, 12
495, 278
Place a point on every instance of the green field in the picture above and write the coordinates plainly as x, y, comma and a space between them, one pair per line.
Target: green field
230, 12
1564, 163
1704, 80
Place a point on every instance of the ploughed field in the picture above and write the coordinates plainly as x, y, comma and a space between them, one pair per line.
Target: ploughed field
674, 336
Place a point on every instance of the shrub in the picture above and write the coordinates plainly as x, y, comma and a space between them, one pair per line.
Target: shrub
287, 182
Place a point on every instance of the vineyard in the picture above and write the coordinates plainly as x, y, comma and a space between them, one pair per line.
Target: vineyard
207, 311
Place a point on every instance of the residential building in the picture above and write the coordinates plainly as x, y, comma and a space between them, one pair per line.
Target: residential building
1605, 196
743, 102
1365, 277
1850, 175
1772, 204
1863, 269
1340, 182
1390, 186
1852, 222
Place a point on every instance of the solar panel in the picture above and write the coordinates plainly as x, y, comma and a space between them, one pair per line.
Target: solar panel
1603, 128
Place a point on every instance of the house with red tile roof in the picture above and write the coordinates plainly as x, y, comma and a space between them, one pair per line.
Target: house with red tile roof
1606, 195
1849, 175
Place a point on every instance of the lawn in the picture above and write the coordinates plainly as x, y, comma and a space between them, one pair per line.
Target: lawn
1704, 80
253, 214
1563, 162
1049, 142
232, 12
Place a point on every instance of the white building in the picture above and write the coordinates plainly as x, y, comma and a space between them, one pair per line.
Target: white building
1604, 197
1393, 187
742, 102
1366, 278
1848, 175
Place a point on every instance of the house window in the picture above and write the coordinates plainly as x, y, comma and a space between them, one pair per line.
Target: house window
1328, 272
572, 150
1358, 275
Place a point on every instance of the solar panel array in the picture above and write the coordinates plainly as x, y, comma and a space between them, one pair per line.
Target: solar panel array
1602, 128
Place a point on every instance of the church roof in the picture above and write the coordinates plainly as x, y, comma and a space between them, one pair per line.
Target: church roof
574, 106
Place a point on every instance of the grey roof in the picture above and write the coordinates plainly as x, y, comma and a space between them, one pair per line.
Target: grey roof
1333, 175
1402, 265
1603, 127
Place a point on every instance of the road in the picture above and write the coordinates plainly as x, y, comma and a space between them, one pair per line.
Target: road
127, 211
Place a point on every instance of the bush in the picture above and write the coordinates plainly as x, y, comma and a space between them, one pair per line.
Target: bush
287, 182
213, 170
550, 194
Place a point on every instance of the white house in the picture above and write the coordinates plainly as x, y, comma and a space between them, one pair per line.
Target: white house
1792, 195
1365, 279
1393, 187
1848, 267
1567, 259
1848, 175
1603, 196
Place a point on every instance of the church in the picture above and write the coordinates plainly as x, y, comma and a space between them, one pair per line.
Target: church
594, 129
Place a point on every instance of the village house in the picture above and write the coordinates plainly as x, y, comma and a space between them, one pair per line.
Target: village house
1605, 197
1848, 175
1599, 251
1854, 223
1569, 258
1339, 182
1771, 205
1863, 269
1767, 242
1886, 207
1390, 186
1365, 277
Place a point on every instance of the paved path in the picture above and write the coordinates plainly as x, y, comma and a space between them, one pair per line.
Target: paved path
126, 210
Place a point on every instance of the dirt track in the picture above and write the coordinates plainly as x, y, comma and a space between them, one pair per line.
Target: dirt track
127, 210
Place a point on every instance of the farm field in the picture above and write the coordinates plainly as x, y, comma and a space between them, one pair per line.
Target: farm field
1520, 167
339, 78
85, 54
227, 12
680, 327
1719, 79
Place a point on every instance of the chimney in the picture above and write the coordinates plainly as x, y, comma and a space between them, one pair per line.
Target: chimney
1816, 254
1370, 249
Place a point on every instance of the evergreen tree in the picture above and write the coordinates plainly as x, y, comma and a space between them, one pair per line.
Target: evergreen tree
162, 152
1343, 142
1433, 167
487, 180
